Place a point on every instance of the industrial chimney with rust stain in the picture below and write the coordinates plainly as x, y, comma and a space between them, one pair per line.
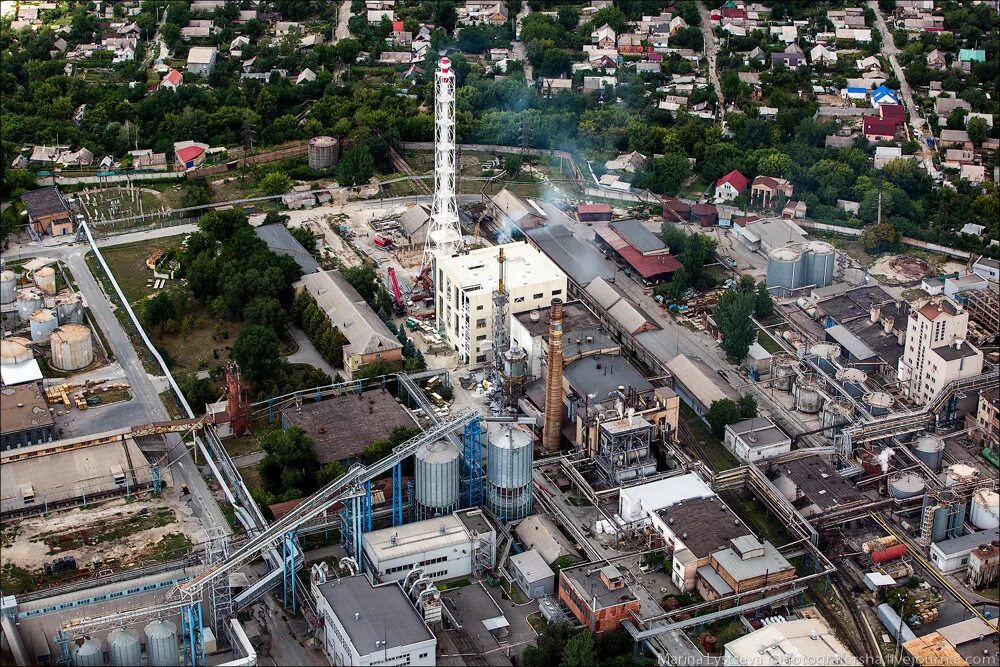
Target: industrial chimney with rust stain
554, 381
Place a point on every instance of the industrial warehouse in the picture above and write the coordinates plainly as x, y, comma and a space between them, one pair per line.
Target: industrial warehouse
476, 425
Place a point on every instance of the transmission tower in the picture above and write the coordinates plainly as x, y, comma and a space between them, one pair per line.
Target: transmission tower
444, 235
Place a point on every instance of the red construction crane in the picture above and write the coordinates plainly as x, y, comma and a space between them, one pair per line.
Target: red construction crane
400, 308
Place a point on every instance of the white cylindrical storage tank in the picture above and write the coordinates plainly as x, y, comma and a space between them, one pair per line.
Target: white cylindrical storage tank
784, 369
784, 270
819, 260
69, 308
29, 299
930, 450
436, 472
89, 654
960, 473
42, 323
826, 354
45, 279
8, 286
878, 402
71, 347
808, 398
13, 351
508, 473
907, 485
835, 415
985, 511
323, 152
124, 648
162, 649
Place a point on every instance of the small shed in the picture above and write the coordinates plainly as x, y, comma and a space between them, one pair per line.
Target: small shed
532, 574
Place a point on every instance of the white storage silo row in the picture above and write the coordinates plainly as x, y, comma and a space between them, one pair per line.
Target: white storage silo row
801, 265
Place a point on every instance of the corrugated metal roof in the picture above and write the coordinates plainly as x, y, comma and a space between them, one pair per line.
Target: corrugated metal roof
697, 383
854, 345
413, 538
281, 241
531, 565
638, 236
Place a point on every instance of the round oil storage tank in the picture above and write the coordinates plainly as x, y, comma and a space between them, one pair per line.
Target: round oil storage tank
29, 299
324, 152
930, 450
71, 347
42, 323
826, 354
89, 654
808, 398
436, 485
784, 270
45, 279
985, 510
907, 485
960, 473
853, 381
8, 286
878, 402
161, 644
69, 307
819, 260
834, 416
14, 352
508, 473
124, 648
784, 369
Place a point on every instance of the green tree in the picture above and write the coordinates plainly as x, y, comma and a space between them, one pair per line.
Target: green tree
956, 119
445, 16
265, 311
732, 315
171, 34
569, 18
305, 239
699, 252
880, 237
978, 130
664, 175
288, 469
375, 369
356, 166
748, 406
555, 62
580, 651
674, 237
719, 160
275, 183
512, 165
721, 413
763, 305
158, 310
256, 351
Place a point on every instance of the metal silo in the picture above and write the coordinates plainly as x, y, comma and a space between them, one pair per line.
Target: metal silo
878, 402
29, 299
162, 649
825, 354
784, 270
69, 307
508, 474
45, 279
42, 323
124, 648
8, 286
835, 415
985, 510
89, 654
14, 351
784, 369
323, 152
819, 259
853, 381
930, 450
907, 485
808, 398
437, 473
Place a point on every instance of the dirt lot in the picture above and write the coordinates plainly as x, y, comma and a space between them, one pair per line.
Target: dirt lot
901, 269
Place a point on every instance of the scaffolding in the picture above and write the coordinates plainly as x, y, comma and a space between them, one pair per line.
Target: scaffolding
216, 551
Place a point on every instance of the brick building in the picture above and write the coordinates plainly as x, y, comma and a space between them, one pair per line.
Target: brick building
597, 596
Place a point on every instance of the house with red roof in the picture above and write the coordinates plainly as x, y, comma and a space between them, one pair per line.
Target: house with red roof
172, 80
189, 154
893, 112
880, 129
645, 255
730, 186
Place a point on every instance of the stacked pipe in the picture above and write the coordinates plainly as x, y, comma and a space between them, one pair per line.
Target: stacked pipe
554, 381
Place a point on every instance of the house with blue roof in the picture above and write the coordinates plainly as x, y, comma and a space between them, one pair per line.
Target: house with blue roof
967, 55
883, 95
857, 93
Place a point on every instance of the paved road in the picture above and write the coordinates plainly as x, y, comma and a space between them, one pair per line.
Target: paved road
517, 46
145, 405
308, 354
343, 16
712, 55
890, 51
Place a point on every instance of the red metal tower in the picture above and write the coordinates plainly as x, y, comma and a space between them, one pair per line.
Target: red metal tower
236, 400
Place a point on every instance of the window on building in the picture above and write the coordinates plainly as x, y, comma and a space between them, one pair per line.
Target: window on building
481, 323
481, 337
538, 296
519, 299
481, 358
556, 292
479, 307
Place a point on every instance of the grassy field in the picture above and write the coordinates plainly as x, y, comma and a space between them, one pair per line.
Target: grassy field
717, 456
768, 343
128, 263
757, 517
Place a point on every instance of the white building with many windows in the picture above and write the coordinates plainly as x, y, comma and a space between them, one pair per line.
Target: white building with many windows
446, 547
465, 284
935, 351
366, 624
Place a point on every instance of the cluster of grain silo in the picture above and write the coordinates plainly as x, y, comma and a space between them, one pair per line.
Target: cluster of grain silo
508, 473
800, 265
42, 323
125, 647
436, 471
162, 648
984, 513
323, 152
71, 347
45, 279
69, 307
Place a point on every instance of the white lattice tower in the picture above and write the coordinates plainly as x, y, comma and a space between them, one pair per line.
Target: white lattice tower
444, 234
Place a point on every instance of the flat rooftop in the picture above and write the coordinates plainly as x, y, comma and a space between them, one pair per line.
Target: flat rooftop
582, 262
342, 427
958, 545
762, 429
820, 483
23, 407
417, 537
601, 374
741, 569
479, 270
704, 525
854, 303
951, 352
576, 316
586, 579
384, 613
475, 521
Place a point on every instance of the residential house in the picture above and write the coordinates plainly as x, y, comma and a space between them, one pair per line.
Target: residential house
987, 267
794, 210
550, 85
627, 162
172, 80
305, 76
147, 159
189, 154
973, 173
596, 84
201, 60
765, 190
972, 55
945, 105
376, 15
937, 61
955, 139
868, 64
730, 186
604, 37
884, 95
821, 56
78, 158
860, 35
786, 33
792, 56
956, 157
886, 154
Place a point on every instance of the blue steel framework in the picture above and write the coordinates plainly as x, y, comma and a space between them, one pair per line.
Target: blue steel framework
472, 479
397, 494
194, 647
289, 552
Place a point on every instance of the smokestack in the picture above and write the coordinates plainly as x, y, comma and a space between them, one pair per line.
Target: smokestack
554, 381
